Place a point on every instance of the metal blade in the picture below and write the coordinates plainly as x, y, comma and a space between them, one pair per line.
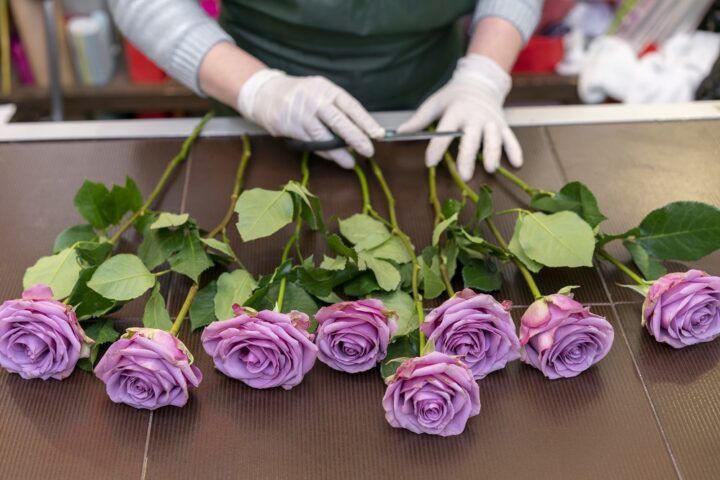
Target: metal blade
392, 136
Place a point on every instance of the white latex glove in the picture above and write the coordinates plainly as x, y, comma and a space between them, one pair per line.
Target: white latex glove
308, 109
472, 102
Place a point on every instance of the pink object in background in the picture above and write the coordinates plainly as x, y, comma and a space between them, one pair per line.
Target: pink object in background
212, 7
21, 62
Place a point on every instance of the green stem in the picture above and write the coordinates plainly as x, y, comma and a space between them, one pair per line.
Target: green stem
237, 186
174, 163
439, 217
367, 206
397, 231
184, 309
518, 181
296, 233
622, 267
493, 228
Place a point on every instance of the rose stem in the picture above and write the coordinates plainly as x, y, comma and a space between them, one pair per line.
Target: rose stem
439, 217
493, 228
174, 163
296, 234
184, 309
406, 243
518, 181
242, 165
621, 266
367, 207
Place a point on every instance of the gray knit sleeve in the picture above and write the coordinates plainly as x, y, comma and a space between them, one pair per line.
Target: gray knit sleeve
524, 14
175, 34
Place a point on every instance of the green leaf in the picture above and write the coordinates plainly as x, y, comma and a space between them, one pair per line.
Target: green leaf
295, 298
361, 285
450, 255
86, 301
517, 250
402, 304
102, 331
386, 274
310, 210
202, 309
482, 275
93, 253
263, 212
71, 235
121, 200
167, 220
233, 287
191, 260
681, 231
432, 282
399, 350
561, 239
338, 246
567, 289
641, 289
574, 197
150, 250
484, 205
452, 206
650, 268
60, 272
337, 263
122, 277
156, 315
89, 202
219, 246
441, 227
391, 249
363, 231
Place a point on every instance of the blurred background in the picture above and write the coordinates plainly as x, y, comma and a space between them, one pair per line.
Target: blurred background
65, 60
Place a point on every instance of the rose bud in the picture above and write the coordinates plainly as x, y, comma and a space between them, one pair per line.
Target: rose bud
476, 328
561, 338
263, 349
148, 368
353, 336
683, 309
434, 394
40, 337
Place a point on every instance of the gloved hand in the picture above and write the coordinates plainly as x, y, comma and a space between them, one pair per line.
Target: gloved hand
472, 102
308, 108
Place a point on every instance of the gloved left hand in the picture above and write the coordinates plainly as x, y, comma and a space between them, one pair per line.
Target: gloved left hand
472, 102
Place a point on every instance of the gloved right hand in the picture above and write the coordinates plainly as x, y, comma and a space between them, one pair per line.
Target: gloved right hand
309, 109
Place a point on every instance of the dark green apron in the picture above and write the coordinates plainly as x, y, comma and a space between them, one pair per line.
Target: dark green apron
389, 54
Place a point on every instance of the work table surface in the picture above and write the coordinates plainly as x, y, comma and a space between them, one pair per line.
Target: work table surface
645, 411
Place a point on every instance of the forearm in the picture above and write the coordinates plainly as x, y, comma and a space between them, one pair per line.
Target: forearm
497, 39
224, 70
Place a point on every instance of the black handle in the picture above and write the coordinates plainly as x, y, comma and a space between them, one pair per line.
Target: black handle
315, 146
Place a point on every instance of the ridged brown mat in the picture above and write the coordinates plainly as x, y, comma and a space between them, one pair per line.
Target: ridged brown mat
646, 411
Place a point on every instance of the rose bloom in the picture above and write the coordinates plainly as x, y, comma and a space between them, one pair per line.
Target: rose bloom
353, 336
148, 368
476, 328
40, 337
562, 338
434, 394
683, 309
262, 349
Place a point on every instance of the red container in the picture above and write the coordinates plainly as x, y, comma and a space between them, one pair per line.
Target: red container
140, 68
540, 55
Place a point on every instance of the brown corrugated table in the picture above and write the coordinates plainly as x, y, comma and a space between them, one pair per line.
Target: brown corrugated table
646, 411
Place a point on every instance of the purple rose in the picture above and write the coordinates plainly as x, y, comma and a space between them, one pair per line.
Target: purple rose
262, 349
434, 394
683, 309
561, 338
40, 337
148, 368
476, 328
353, 336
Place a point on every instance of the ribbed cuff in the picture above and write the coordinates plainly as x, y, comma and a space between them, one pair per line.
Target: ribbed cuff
523, 14
189, 54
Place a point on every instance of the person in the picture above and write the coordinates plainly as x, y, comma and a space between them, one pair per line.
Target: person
308, 69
